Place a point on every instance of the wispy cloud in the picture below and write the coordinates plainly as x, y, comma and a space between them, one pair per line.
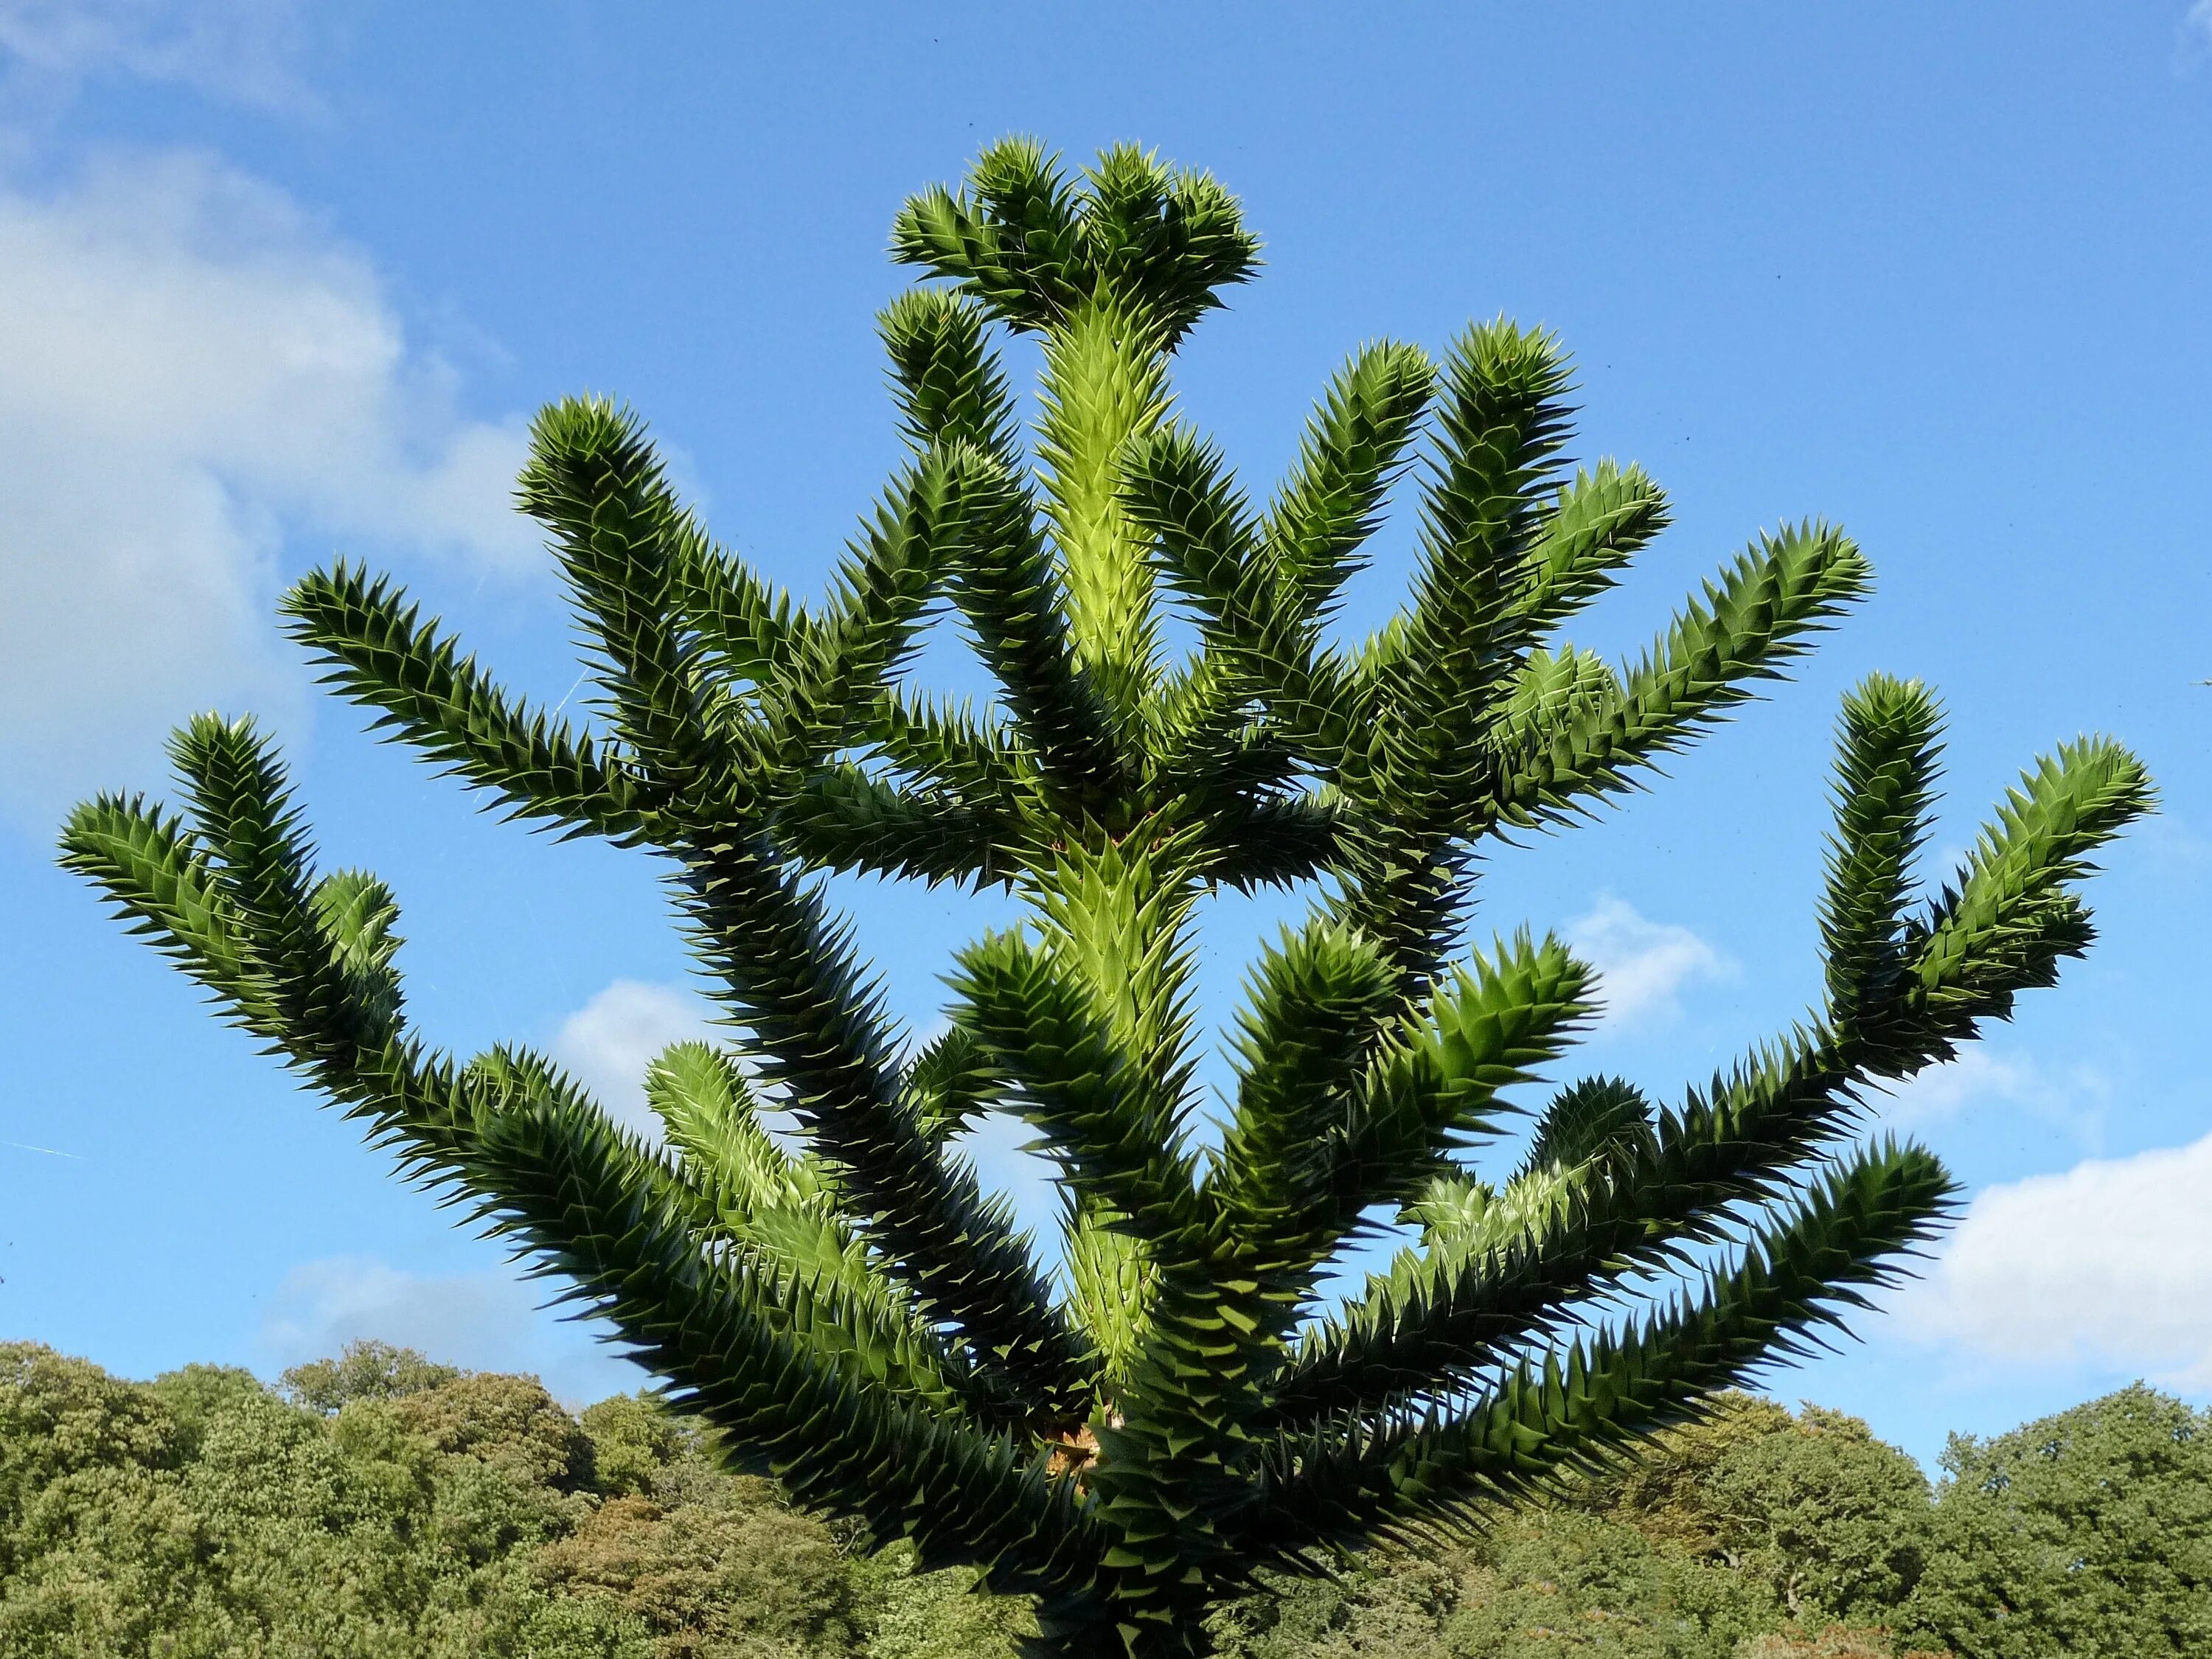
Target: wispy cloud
609, 1041
488, 1321
2073, 1098
244, 50
195, 369
1642, 966
2108, 1263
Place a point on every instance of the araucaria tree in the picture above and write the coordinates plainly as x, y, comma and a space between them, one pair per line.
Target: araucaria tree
1126, 1427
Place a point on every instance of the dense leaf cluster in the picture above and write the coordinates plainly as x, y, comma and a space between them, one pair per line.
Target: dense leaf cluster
1759, 1535
1133, 1444
380, 1507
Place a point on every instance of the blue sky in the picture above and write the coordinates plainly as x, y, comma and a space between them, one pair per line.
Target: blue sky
279, 282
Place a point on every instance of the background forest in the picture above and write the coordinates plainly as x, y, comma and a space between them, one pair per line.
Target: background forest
382, 1504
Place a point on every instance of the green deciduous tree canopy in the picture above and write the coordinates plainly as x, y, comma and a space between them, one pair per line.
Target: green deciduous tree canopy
1830, 1518
1831, 1523
856, 1314
413, 1511
2087, 1534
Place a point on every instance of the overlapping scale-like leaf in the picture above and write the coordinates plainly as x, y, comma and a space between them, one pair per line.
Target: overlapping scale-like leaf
1113, 1131
1016, 607
824, 1044
1491, 1025
1261, 642
1105, 386
1319, 1004
1354, 447
1596, 523
2011, 915
1885, 783
1501, 421
379, 653
1357, 1480
1758, 616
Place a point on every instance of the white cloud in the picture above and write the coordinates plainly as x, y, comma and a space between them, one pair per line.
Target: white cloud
2199, 20
490, 1321
195, 370
1642, 966
608, 1043
2108, 1263
2073, 1100
246, 50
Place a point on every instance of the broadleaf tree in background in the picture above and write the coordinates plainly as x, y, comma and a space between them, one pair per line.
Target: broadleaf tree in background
1129, 1434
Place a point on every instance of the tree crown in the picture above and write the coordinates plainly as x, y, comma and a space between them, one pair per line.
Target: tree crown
854, 1313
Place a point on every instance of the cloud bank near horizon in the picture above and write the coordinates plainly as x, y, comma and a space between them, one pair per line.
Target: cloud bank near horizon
2107, 1266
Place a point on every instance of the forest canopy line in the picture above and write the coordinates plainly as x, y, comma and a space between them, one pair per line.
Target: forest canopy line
1177, 1422
380, 1506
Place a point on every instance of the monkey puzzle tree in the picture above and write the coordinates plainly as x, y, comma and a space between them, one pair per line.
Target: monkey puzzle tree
1126, 1434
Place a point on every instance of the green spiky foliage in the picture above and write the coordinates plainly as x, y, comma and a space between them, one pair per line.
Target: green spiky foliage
1126, 1426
